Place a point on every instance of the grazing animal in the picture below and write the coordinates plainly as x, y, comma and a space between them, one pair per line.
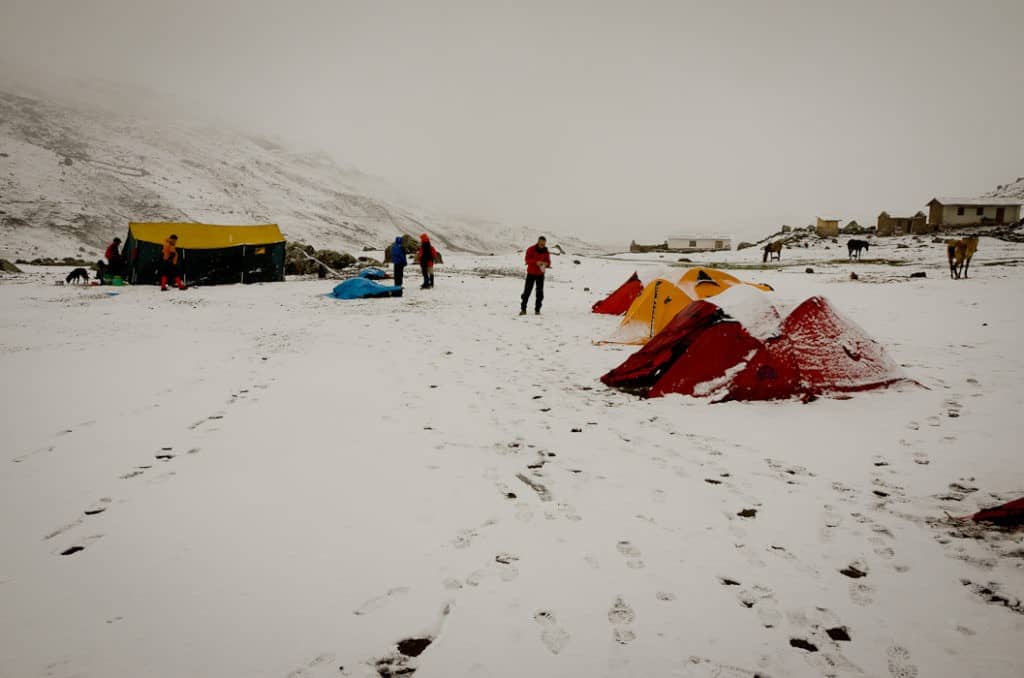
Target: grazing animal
77, 274
960, 253
773, 250
854, 247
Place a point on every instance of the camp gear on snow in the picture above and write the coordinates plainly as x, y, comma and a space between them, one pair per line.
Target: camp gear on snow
372, 273
361, 288
619, 301
754, 352
206, 254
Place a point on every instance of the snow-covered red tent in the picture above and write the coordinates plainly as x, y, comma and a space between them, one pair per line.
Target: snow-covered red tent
619, 301
753, 352
1009, 514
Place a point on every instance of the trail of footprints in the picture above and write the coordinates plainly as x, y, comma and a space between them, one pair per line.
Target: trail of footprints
164, 455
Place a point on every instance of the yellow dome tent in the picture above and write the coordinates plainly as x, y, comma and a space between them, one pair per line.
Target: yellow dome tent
701, 283
650, 312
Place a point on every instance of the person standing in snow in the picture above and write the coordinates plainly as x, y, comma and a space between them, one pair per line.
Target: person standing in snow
538, 261
426, 261
398, 260
169, 264
115, 261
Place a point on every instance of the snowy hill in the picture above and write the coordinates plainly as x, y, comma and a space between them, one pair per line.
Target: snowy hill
1011, 190
73, 175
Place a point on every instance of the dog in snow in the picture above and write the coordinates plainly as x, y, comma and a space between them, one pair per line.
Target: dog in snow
77, 274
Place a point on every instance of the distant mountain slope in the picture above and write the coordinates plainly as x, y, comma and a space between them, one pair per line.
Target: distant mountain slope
73, 177
1012, 190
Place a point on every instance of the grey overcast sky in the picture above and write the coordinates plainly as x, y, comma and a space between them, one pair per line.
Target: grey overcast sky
607, 120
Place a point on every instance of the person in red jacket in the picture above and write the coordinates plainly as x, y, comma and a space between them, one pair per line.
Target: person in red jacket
115, 262
427, 257
169, 264
538, 261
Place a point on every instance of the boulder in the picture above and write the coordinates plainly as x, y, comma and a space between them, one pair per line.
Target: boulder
808, 270
8, 267
340, 260
745, 245
297, 263
919, 274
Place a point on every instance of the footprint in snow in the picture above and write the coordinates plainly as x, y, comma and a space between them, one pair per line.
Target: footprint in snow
98, 507
304, 670
80, 545
377, 602
634, 558
553, 636
900, 665
621, 615
503, 567
862, 593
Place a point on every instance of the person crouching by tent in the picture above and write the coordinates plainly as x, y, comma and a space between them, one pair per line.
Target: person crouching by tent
538, 261
169, 264
115, 260
427, 257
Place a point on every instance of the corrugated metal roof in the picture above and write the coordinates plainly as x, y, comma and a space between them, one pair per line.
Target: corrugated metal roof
700, 237
977, 202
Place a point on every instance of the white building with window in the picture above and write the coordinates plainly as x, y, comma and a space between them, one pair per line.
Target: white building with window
973, 211
699, 243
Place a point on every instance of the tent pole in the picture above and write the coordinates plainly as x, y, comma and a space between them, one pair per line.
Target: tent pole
329, 269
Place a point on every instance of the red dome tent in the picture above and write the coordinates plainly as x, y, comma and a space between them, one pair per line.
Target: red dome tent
1009, 514
619, 301
707, 352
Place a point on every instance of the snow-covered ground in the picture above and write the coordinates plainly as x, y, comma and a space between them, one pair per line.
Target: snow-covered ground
261, 481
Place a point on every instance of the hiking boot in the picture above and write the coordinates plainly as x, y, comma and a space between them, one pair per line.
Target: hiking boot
522, 311
537, 312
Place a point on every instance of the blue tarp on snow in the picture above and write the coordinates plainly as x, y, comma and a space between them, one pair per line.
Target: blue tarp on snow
361, 288
372, 273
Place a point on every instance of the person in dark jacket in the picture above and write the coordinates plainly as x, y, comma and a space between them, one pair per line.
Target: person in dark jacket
169, 264
426, 261
538, 261
115, 261
398, 260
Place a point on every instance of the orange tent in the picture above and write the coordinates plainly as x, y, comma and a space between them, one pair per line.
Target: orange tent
650, 312
701, 283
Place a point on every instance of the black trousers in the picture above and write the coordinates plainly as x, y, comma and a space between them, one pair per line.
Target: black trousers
399, 272
532, 280
428, 274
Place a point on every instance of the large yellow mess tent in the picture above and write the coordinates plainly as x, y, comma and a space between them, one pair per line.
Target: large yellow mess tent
209, 254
